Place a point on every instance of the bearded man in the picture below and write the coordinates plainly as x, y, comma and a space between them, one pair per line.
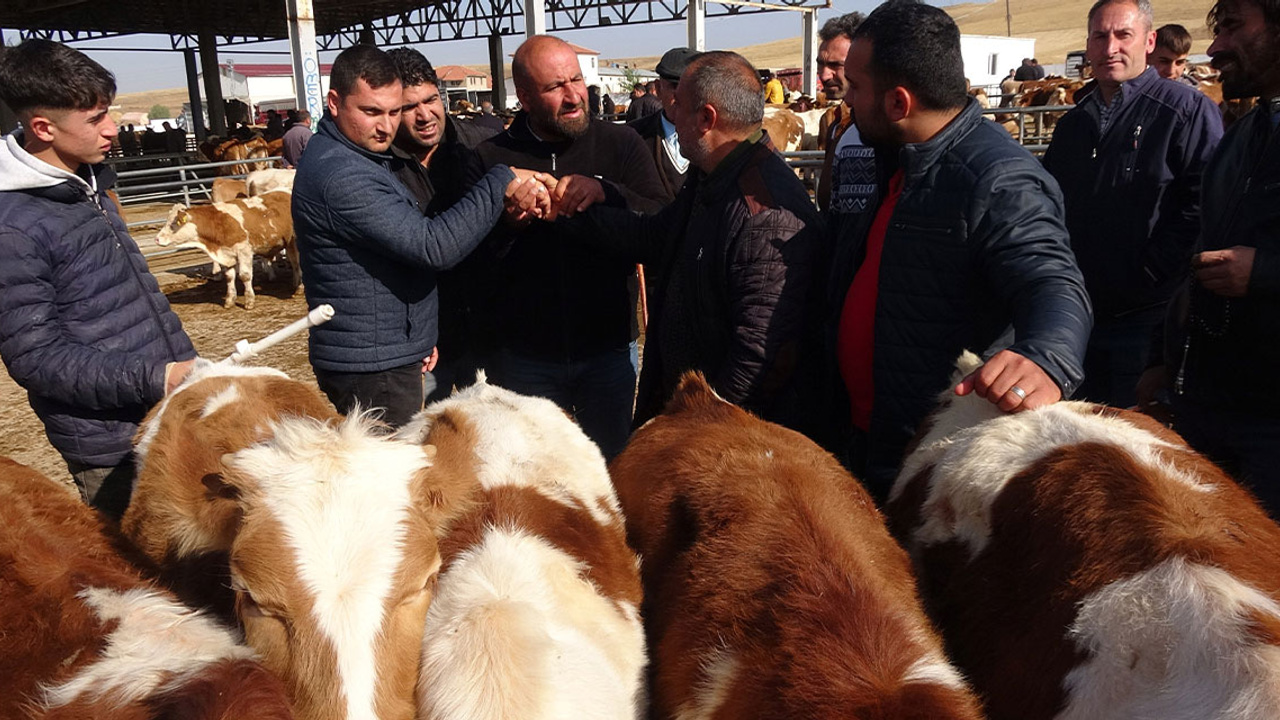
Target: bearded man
563, 310
1220, 351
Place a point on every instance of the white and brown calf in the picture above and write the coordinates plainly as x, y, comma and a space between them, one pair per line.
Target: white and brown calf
1084, 563
84, 636
328, 525
232, 233
772, 587
537, 611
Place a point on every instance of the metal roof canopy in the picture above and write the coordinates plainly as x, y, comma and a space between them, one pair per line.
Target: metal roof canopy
312, 25
340, 23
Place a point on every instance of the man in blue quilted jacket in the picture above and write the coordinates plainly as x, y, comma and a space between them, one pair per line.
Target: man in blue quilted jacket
84, 328
367, 249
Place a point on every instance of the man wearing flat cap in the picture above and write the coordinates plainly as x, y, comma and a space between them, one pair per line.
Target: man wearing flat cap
658, 130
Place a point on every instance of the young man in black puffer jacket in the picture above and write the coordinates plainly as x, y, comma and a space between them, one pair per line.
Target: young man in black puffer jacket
84, 328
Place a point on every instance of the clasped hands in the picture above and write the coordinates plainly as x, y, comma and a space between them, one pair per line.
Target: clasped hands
537, 195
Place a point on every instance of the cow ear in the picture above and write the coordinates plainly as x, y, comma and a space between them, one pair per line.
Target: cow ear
216, 487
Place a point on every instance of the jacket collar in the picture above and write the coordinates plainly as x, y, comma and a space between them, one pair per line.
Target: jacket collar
916, 158
521, 131
329, 129
20, 170
725, 175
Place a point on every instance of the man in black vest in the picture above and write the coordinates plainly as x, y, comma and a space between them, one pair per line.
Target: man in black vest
659, 130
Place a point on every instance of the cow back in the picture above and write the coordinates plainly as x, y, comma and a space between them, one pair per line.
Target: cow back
1084, 562
772, 588
83, 635
537, 610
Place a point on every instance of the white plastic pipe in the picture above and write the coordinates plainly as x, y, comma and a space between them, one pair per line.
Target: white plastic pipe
246, 349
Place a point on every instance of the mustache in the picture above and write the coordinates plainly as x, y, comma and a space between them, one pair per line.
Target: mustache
579, 106
1223, 58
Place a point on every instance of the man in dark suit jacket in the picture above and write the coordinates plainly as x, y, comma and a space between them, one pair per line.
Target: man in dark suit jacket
658, 129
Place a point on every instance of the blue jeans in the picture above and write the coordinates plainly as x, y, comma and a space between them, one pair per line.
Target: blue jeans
1246, 445
599, 391
1116, 358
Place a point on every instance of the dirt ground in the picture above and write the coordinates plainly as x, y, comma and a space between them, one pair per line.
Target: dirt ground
198, 301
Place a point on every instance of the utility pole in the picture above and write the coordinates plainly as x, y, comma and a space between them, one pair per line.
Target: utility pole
1008, 19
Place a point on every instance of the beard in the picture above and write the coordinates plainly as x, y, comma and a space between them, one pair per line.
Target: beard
1251, 72
572, 128
875, 129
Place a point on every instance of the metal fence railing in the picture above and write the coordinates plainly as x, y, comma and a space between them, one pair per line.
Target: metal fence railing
1033, 126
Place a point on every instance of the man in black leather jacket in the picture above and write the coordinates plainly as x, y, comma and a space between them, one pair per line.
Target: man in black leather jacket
737, 253
968, 240
1222, 349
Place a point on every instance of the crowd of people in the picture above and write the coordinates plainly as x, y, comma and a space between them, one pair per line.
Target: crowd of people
1138, 263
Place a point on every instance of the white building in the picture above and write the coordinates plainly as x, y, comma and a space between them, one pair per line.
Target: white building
263, 86
989, 58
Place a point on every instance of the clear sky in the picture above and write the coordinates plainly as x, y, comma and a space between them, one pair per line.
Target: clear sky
137, 71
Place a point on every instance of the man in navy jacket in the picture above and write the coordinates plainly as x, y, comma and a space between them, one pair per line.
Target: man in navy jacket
966, 241
1130, 159
84, 328
367, 249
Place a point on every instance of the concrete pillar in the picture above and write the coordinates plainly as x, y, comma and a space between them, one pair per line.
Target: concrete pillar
499, 96
208, 42
8, 121
306, 61
697, 24
809, 33
193, 96
535, 18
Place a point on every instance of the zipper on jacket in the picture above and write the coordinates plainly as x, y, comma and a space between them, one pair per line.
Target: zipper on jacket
553, 162
1182, 366
133, 271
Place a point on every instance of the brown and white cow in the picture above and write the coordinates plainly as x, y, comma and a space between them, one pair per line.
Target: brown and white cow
772, 587
1084, 563
226, 189
329, 526
536, 615
83, 635
785, 128
232, 233
261, 182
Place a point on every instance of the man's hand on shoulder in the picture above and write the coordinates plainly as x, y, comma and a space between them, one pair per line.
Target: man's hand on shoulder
575, 193
175, 373
1000, 379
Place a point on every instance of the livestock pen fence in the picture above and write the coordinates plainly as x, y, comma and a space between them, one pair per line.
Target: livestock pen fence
167, 178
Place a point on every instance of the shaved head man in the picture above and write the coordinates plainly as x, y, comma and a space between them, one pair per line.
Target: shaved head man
562, 314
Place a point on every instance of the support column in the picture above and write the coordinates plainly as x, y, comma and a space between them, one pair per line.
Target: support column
499, 96
535, 18
193, 96
809, 33
697, 24
307, 89
212, 82
8, 121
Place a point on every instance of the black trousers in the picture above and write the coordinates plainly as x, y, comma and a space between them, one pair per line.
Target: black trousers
396, 392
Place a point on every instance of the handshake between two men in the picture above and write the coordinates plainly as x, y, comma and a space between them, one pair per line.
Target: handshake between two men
545, 197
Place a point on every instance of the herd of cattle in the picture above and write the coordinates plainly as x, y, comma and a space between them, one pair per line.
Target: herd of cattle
1075, 561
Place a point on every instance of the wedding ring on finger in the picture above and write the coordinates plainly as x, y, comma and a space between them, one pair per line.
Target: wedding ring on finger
1022, 394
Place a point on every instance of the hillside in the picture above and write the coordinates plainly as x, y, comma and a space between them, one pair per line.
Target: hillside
1059, 26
